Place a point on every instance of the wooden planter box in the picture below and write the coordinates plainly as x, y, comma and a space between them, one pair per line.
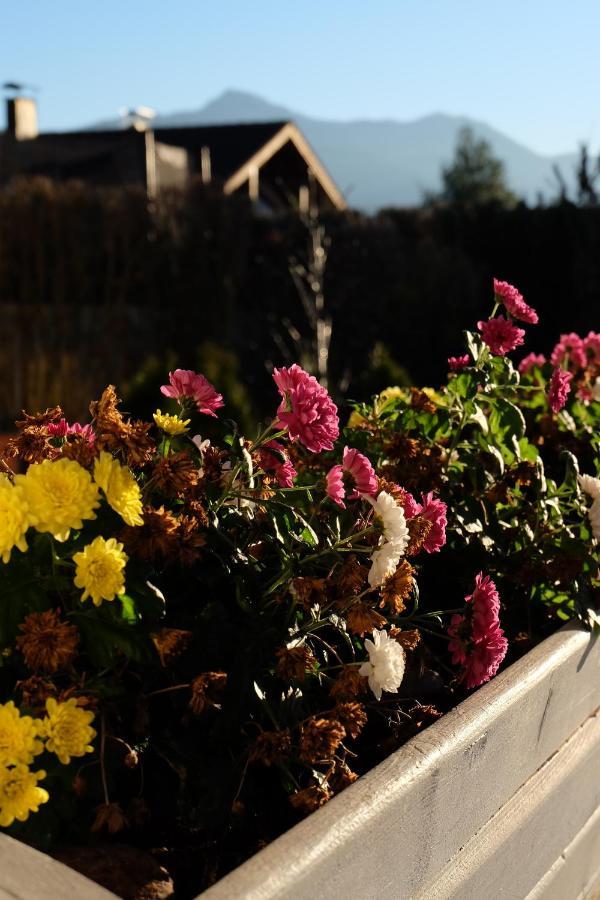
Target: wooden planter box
498, 799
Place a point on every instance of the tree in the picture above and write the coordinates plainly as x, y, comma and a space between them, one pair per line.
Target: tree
475, 177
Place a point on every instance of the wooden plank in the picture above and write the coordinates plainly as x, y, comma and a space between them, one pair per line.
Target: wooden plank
576, 872
397, 827
27, 874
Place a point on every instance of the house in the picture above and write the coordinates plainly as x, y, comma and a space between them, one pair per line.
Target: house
272, 162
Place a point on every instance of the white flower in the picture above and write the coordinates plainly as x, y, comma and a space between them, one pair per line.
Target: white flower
589, 485
385, 668
393, 541
596, 389
594, 517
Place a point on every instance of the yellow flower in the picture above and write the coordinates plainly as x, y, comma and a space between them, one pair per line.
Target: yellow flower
171, 425
355, 419
390, 393
99, 570
120, 488
19, 793
19, 736
15, 518
60, 494
67, 729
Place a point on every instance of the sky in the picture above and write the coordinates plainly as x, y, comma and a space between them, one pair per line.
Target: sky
527, 67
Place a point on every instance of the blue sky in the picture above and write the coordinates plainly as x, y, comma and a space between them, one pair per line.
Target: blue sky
528, 67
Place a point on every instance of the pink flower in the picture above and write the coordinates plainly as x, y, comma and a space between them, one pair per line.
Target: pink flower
434, 510
185, 385
500, 335
571, 348
62, 428
306, 410
559, 389
355, 475
278, 463
530, 361
58, 429
477, 642
591, 346
457, 363
513, 302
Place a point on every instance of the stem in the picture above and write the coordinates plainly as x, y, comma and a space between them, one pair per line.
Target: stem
102, 764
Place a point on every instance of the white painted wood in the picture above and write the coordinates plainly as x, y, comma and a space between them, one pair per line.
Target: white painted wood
27, 874
576, 872
394, 830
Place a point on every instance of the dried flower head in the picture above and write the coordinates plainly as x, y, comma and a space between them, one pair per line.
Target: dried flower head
397, 588
319, 739
419, 529
311, 798
271, 747
308, 592
352, 716
47, 643
419, 400
206, 691
351, 577
294, 661
175, 474
35, 690
361, 618
170, 643
156, 538
111, 817
408, 639
349, 684
130, 440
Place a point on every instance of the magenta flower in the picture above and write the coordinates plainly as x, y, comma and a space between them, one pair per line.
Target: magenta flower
457, 363
501, 335
306, 410
570, 348
559, 390
278, 463
477, 642
185, 385
62, 428
434, 510
513, 302
352, 479
406, 500
530, 362
591, 346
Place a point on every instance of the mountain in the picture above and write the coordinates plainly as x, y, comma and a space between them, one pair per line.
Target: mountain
384, 162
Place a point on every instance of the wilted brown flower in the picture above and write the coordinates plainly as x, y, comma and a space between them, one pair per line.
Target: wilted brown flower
320, 738
78, 448
408, 639
348, 684
396, 589
352, 716
52, 414
157, 537
190, 540
419, 400
352, 577
311, 798
47, 643
424, 715
111, 817
271, 747
293, 662
130, 440
196, 510
418, 531
341, 777
170, 643
31, 445
175, 474
206, 689
362, 618
212, 462
35, 691
308, 592
416, 465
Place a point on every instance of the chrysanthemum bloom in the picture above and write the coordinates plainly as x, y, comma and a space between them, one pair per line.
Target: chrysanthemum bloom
311, 798
559, 389
434, 511
271, 747
120, 488
171, 425
20, 794
15, 518
591, 486
571, 348
385, 667
273, 458
294, 661
591, 346
362, 618
186, 385
319, 739
116, 435
111, 817
397, 588
531, 361
306, 410
458, 363
62, 429
47, 643
352, 716
100, 570
513, 302
348, 684
477, 642
206, 691
67, 729
19, 736
352, 479
403, 497
393, 541
501, 335
60, 495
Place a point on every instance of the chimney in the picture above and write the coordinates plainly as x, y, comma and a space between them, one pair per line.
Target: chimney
22, 118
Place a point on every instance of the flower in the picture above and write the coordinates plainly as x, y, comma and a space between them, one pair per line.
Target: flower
62, 429
67, 729
393, 541
100, 570
591, 486
171, 425
319, 739
273, 458
60, 494
306, 410
591, 346
356, 475
477, 641
531, 361
20, 794
186, 385
15, 518
385, 667
19, 736
433, 511
47, 643
501, 335
571, 348
120, 488
335, 485
559, 389
457, 363
513, 302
